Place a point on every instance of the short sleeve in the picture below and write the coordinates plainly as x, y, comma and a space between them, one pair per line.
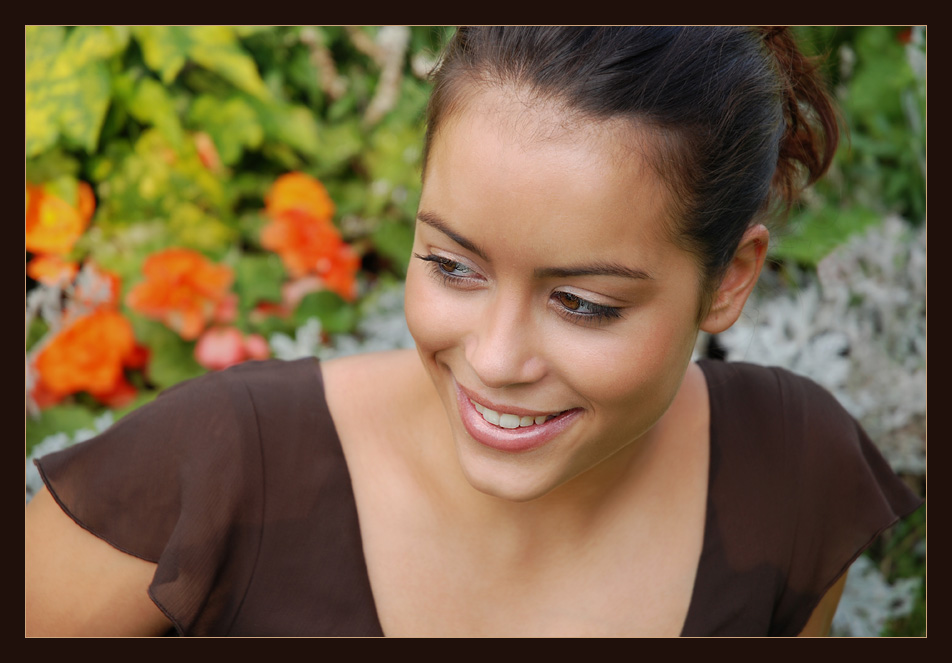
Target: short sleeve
176, 482
846, 495
797, 492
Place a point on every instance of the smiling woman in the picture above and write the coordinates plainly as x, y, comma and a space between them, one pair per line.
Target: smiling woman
550, 461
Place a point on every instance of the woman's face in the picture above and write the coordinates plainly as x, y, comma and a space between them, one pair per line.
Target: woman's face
544, 287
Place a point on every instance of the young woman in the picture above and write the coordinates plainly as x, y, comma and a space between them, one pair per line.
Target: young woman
549, 462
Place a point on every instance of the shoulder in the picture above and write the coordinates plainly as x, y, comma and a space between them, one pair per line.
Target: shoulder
383, 382
383, 404
251, 377
768, 381
361, 371
798, 488
781, 398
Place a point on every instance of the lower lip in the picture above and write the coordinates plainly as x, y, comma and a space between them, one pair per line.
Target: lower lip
513, 440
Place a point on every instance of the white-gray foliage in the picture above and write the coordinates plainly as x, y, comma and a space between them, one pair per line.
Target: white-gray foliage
382, 326
859, 329
869, 601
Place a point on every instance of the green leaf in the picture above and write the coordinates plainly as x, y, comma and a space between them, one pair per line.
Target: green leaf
232, 124
336, 315
67, 86
88, 44
192, 227
43, 45
49, 166
215, 47
164, 49
151, 104
340, 143
171, 360
818, 233
394, 240
258, 278
291, 125
146, 183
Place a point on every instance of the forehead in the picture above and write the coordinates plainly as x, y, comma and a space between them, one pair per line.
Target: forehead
508, 154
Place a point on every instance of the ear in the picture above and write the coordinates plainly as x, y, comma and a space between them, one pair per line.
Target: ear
738, 281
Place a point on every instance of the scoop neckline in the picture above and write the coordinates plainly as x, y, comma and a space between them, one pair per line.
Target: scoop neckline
703, 363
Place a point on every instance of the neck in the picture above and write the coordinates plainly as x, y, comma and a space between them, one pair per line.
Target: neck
584, 507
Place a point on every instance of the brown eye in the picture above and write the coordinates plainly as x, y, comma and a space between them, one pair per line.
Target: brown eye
570, 302
448, 266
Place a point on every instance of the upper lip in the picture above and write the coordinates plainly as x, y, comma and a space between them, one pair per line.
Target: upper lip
504, 409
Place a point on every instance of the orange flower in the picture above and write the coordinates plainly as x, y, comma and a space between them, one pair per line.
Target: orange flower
183, 289
299, 191
51, 270
312, 246
89, 355
301, 232
52, 224
301, 240
339, 271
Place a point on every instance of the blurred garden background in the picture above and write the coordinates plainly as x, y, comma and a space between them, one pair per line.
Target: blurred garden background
201, 196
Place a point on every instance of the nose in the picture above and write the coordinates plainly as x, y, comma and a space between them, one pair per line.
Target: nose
505, 349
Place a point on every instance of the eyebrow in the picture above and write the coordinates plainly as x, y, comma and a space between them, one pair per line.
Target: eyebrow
595, 269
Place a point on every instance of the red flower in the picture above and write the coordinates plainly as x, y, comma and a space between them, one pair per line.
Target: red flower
221, 347
183, 289
90, 355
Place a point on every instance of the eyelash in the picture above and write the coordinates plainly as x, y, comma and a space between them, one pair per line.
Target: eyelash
599, 313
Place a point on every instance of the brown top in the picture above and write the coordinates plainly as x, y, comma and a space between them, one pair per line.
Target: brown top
236, 485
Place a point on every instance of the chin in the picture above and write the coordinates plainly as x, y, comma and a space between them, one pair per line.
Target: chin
510, 486
521, 477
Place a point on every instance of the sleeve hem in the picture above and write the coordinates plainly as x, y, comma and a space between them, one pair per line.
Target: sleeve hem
75, 519
801, 622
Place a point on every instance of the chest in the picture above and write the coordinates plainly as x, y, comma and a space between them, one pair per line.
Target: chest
434, 571
608, 586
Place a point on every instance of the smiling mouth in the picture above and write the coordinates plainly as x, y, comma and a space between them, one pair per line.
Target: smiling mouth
506, 420
512, 432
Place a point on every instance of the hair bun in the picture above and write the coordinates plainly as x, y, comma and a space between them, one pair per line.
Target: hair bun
812, 133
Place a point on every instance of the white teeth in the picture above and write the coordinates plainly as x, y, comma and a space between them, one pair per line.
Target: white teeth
505, 420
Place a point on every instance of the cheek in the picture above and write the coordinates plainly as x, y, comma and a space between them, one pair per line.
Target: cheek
435, 319
416, 307
636, 372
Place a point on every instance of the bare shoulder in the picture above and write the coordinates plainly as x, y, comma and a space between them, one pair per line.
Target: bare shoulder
78, 585
371, 396
375, 377
354, 370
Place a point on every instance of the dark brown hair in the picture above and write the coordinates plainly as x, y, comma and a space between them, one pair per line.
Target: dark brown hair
742, 120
